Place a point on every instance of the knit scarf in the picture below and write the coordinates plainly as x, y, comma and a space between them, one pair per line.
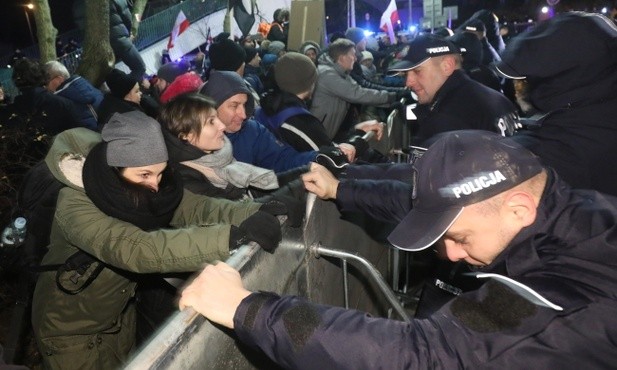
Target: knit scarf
221, 168
128, 202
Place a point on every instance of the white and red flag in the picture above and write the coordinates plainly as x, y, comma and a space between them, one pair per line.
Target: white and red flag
389, 19
176, 50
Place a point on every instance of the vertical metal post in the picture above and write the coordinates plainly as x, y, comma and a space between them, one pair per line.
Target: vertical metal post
345, 283
352, 13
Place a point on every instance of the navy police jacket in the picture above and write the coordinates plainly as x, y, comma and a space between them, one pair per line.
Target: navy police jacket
464, 104
568, 256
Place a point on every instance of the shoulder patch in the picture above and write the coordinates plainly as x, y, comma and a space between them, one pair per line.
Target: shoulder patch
501, 309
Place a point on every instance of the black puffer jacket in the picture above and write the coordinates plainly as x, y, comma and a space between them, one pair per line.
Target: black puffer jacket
120, 19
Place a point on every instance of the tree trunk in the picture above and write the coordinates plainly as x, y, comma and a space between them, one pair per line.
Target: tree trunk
138, 12
45, 31
98, 58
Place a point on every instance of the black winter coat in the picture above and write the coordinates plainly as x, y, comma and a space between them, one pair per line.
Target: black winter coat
567, 256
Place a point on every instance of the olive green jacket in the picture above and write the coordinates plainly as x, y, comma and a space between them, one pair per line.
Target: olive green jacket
200, 234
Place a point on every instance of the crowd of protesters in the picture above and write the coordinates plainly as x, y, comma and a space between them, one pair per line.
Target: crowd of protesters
162, 173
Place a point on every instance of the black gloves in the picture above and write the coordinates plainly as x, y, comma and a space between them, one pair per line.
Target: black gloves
405, 94
288, 176
261, 227
293, 207
333, 159
360, 144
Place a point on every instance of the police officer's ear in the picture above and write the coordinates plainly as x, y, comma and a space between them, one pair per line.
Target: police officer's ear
448, 64
520, 208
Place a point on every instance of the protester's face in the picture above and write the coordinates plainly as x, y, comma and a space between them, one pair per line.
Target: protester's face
233, 112
256, 61
146, 176
161, 85
347, 60
212, 133
134, 95
311, 53
426, 79
478, 236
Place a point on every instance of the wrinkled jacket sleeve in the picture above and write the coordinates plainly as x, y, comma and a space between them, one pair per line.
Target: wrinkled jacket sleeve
257, 145
200, 234
326, 337
384, 200
349, 90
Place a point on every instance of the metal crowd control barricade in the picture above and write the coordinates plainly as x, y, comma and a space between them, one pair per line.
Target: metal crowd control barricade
188, 341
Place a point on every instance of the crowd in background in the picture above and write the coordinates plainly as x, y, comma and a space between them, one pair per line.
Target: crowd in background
244, 120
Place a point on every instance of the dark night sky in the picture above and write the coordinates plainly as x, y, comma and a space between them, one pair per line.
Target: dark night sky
14, 27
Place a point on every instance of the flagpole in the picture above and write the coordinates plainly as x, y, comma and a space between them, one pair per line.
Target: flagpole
410, 18
352, 11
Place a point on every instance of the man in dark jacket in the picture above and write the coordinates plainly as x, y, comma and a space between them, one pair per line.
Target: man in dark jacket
574, 94
448, 99
546, 251
86, 97
51, 112
285, 113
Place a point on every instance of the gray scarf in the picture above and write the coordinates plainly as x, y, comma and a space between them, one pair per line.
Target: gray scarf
221, 168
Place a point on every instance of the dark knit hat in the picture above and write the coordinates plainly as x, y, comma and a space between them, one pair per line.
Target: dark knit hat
355, 34
226, 55
460, 169
222, 85
250, 54
133, 140
170, 71
295, 73
119, 83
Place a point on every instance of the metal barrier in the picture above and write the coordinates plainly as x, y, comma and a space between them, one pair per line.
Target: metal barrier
188, 341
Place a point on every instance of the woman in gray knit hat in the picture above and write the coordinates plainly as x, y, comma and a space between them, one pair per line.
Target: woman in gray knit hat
124, 216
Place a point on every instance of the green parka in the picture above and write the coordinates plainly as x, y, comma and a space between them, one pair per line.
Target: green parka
95, 327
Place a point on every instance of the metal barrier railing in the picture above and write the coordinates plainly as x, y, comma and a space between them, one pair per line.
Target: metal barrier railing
318, 250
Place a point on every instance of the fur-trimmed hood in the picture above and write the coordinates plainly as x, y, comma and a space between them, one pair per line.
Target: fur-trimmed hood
67, 155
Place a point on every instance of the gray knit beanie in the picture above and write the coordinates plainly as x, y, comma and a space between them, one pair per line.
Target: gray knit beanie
295, 73
134, 140
276, 47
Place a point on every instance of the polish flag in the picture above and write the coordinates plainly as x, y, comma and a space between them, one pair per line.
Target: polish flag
180, 26
389, 19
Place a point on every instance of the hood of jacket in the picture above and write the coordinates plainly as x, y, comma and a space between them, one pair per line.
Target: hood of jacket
568, 60
67, 155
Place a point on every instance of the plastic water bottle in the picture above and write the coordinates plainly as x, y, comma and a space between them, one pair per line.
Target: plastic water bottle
15, 233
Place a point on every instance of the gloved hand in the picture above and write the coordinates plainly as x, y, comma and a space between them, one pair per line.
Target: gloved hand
333, 159
405, 94
360, 144
261, 227
288, 176
273, 206
294, 208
